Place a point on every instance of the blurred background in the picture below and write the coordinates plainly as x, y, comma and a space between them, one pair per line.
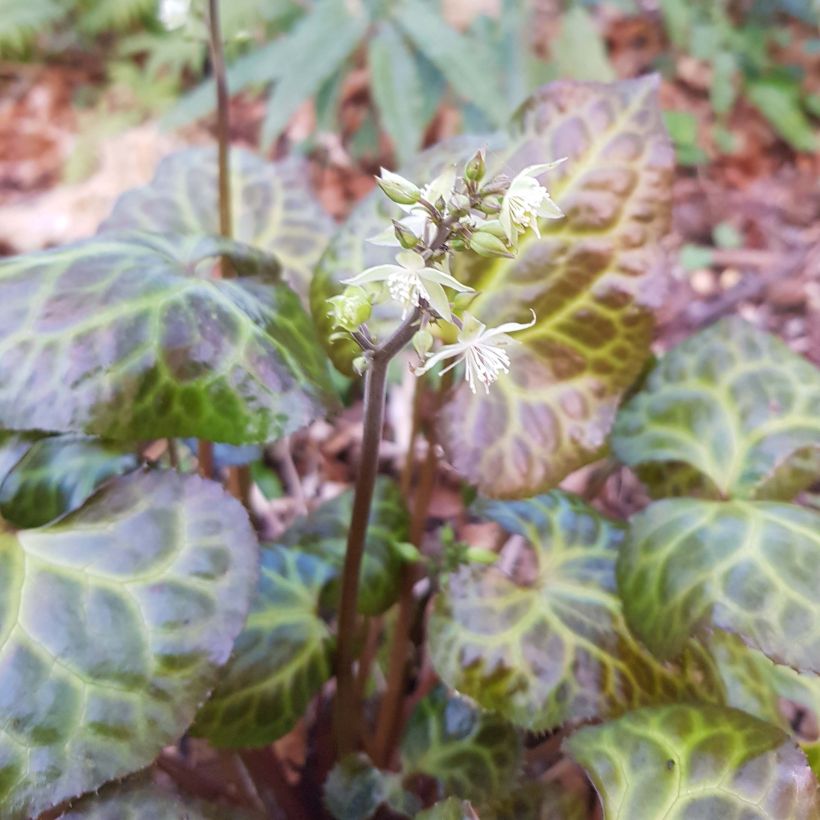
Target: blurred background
94, 92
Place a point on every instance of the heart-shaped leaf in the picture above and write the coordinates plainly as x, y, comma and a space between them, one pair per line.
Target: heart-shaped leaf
746, 567
734, 404
470, 752
323, 533
114, 621
56, 474
273, 206
123, 336
550, 646
757, 686
683, 762
280, 660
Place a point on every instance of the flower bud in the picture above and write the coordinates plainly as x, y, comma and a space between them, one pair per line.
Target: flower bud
407, 239
485, 243
399, 189
479, 555
476, 167
360, 364
350, 308
459, 202
422, 342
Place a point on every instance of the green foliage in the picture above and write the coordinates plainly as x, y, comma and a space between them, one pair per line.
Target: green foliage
114, 622
124, 336
683, 761
56, 474
20, 22
551, 648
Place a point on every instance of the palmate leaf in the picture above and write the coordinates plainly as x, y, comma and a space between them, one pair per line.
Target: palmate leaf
683, 762
124, 336
747, 567
734, 404
590, 279
280, 660
471, 753
323, 533
273, 206
57, 474
113, 624
555, 648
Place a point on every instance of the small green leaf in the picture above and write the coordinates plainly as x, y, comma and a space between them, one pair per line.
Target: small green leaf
280, 660
683, 129
684, 762
317, 46
457, 56
450, 809
779, 103
579, 50
471, 753
323, 533
124, 336
58, 474
746, 567
538, 800
552, 647
735, 404
355, 789
396, 87
113, 624
273, 206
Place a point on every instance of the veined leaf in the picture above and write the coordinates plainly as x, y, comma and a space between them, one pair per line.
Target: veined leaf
316, 47
355, 789
57, 474
273, 207
113, 624
323, 533
396, 87
124, 337
735, 404
683, 762
470, 752
553, 648
280, 659
747, 567
457, 56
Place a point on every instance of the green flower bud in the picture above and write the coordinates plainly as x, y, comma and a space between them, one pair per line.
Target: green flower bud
494, 227
407, 239
422, 342
399, 189
360, 364
485, 243
476, 167
479, 555
350, 308
459, 202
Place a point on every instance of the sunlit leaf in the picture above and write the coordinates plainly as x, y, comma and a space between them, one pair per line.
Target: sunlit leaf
114, 621
355, 789
735, 404
273, 206
470, 752
551, 646
126, 337
280, 660
56, 474
747, 567
323, 533
683, 762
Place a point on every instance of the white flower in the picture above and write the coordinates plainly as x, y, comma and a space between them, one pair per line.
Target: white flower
481, 350
526, 200
411, 281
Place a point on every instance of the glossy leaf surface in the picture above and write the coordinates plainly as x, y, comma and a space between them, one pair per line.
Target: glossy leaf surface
125, 336
747, 567
684, 762
114, 622
553, 647
323, 533
470, 752
56, 474
736, 405
280, 659
273, 206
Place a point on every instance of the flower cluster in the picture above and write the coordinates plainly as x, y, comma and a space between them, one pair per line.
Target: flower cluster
451, 214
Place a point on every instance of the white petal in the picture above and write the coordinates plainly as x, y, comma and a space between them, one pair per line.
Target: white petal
379, 273
549, 210
438, 300
410, 260
436, 275
508, 327
446, 352
387, 238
